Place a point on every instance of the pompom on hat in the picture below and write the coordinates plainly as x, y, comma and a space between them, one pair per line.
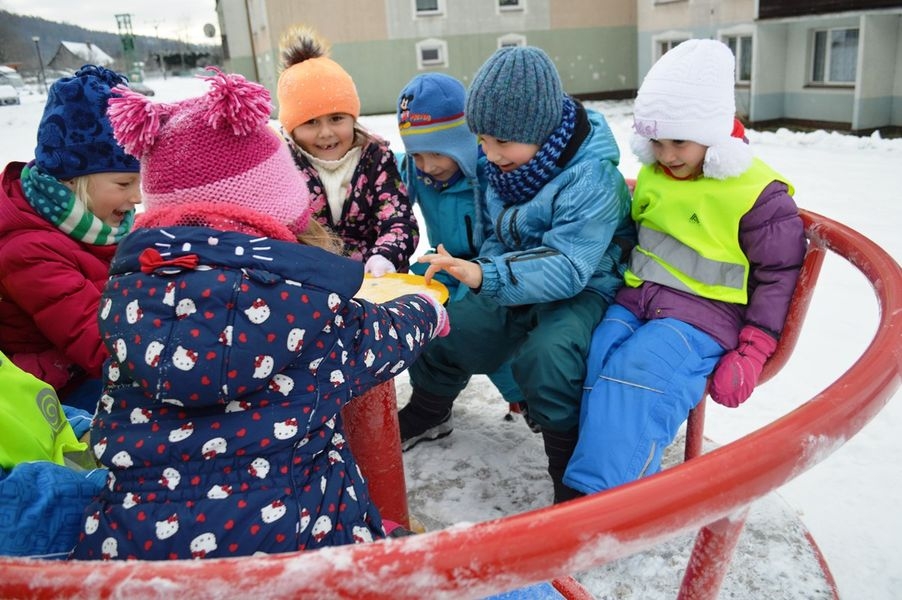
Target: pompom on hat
431, 119
312, 84
213, 160
74, 136
516, 96
688, 95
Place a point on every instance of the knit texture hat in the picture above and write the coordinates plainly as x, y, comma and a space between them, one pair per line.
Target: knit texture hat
431, 119
516, 96
74, 135
688, 95
213, 154
313, 88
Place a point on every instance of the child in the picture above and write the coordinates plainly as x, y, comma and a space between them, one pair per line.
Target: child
233, 347
351, 174
46, 476
709, 284
444, 173
61, 216
545, 275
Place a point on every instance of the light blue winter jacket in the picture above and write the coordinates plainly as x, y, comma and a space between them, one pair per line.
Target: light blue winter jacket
573, 235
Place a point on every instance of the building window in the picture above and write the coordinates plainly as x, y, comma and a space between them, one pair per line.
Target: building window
432, 53
428, 8
834, 57
511, 5
662, 45
741, 45
511, 39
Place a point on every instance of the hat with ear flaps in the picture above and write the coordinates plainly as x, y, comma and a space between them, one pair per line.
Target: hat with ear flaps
688, 95
431, 119
213, 160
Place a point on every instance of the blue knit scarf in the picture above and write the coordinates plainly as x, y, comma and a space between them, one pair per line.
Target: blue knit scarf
58, 204
523, 183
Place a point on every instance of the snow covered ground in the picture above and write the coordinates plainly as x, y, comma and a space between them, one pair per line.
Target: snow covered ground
849, 502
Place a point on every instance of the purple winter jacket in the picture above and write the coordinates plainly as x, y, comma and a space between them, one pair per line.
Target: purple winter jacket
773, 238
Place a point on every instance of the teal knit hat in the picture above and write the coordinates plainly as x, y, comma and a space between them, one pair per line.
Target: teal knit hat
516, 96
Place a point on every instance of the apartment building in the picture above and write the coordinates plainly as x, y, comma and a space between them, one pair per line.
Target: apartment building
827, 63
383, 43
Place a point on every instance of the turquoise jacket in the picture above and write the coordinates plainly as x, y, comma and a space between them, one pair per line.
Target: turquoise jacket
455, 217
575, 234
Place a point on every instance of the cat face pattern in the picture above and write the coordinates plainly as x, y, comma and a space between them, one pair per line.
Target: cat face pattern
227, 381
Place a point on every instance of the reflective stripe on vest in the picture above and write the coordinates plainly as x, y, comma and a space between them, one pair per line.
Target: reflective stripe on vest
688, 231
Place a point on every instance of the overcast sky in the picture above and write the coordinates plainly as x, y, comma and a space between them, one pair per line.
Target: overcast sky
175, 19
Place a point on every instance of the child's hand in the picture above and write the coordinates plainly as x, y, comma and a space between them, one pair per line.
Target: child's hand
442, 323
738, 371
468, 273
377, 266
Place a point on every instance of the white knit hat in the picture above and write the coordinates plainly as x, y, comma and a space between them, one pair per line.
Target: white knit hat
688, 95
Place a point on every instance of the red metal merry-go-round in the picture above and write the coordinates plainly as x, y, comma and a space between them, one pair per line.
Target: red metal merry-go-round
709, 492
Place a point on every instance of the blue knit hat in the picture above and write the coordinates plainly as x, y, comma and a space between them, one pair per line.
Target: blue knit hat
431, 119
516, 96
74, 136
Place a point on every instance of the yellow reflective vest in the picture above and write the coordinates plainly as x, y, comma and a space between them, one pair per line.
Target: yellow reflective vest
689, 231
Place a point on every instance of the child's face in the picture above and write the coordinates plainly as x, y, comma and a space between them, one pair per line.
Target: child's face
438, 166
112, 195
328, 137
683, 159
508, 156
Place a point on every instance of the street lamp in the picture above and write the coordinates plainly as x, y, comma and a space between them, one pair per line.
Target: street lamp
37, 47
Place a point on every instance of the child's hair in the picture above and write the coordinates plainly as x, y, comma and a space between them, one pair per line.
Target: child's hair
311, 84
74, 136
320, 237
431, 119
81, 191
688, 94
516, 96
214, 161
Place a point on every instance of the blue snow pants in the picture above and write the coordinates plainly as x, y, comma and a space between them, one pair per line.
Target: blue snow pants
643, 378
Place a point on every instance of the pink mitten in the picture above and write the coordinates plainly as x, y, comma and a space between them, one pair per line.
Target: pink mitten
738, 371
443, 324
377, 266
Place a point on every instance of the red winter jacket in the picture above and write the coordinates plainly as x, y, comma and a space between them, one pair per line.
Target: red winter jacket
50, 288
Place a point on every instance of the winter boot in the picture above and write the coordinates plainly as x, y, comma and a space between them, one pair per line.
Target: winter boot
426, 417
559, 446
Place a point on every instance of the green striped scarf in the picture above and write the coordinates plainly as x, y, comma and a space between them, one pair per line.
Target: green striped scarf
55, 202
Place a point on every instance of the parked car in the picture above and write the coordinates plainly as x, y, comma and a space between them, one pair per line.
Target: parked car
8, 94
9, 76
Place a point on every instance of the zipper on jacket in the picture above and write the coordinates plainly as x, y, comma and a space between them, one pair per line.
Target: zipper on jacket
529, 255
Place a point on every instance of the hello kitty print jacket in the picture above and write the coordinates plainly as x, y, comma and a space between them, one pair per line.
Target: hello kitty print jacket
231, 358
377, 216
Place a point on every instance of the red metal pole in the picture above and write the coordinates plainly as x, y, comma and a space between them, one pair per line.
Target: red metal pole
711, 556
371, 424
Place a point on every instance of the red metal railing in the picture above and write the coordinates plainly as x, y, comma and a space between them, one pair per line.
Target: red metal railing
471, 561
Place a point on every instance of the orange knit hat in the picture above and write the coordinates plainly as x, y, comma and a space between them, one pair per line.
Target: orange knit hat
313, 88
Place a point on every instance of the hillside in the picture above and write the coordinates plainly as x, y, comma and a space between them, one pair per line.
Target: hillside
18, 50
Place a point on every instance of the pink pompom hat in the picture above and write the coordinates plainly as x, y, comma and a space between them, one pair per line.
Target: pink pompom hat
213, 160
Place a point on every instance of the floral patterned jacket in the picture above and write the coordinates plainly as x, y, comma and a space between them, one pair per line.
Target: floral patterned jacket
377, 216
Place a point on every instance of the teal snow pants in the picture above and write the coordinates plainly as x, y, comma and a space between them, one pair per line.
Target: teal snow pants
545, 343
